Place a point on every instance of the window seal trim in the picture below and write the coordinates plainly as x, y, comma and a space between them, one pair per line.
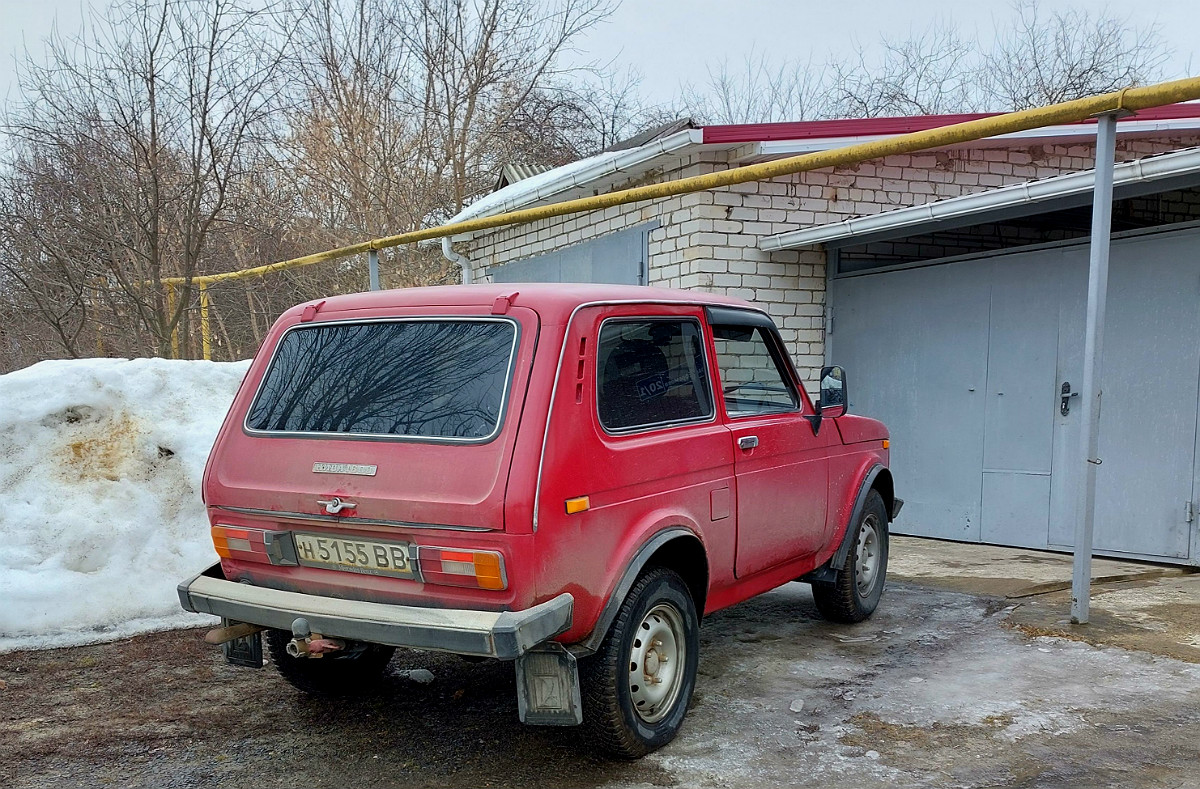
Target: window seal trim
654, 426
501, 413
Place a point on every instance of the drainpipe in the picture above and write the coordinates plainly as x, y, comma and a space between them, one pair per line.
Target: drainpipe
462, 260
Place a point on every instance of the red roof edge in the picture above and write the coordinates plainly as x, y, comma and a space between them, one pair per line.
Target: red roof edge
873, 127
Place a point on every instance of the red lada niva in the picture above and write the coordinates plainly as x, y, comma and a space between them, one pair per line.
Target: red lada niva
566, 476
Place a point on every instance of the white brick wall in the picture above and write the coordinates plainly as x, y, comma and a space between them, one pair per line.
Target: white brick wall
708, 240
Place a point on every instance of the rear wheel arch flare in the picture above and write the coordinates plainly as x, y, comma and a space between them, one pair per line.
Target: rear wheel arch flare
674, 547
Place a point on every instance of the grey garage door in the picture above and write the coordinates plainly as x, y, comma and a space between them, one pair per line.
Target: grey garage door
618, 258
966, 361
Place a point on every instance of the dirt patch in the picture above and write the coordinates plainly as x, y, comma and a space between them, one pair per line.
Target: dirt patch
108, 448
167, 704
1127, 615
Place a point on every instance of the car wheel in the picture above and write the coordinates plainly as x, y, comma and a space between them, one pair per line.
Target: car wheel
855, 594
637, 687
350, 672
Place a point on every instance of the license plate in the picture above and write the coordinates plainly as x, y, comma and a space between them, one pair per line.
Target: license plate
355, 556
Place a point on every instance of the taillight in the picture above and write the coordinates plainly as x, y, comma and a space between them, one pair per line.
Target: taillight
477, 569
236, 542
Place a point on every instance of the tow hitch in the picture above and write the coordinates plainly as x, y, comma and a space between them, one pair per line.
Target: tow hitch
307, 644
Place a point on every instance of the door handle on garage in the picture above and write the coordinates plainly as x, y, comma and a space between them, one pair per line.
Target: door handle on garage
1064, 407
748, 442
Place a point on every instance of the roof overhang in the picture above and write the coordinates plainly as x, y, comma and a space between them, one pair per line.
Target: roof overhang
765, 141
593, 175
1165, 172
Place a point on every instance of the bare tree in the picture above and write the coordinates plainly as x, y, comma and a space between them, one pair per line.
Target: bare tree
409, 106
128, 149
761, 91
590, 112
926, 74
1073, 53
1034, 59
478, 64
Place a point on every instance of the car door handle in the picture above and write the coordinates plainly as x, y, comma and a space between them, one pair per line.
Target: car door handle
748, 442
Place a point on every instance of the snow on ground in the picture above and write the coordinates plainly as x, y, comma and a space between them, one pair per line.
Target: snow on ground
100, 465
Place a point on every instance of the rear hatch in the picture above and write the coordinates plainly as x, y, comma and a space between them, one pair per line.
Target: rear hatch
407, 419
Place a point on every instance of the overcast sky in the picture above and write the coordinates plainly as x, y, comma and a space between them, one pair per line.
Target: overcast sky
673, 41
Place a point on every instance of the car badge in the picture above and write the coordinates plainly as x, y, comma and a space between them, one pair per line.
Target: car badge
358, 469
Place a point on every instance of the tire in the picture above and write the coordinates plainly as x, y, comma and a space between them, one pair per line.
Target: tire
627, 716
353, 672
855, 594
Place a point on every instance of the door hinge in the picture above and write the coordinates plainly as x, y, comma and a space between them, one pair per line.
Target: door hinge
1189, 511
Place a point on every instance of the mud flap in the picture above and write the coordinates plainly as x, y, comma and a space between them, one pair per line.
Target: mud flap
548, 687
244, 651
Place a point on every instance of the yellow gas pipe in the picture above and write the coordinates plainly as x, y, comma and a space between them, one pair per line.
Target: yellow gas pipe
1129, 99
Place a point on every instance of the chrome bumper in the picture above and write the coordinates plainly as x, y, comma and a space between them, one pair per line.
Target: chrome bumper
499, 634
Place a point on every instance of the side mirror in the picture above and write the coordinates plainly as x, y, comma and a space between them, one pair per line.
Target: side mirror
833, 402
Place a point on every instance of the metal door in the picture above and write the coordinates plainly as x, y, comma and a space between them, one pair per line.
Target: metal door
1021, 397
1148, 416
915, 346
930, 350
618, 258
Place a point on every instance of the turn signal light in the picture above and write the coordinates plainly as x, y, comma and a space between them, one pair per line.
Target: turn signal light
476, 569
235, 542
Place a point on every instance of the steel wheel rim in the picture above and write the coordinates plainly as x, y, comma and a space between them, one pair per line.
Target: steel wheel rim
868, 555
656, 660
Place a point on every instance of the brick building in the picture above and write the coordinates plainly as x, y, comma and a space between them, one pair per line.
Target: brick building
906, 269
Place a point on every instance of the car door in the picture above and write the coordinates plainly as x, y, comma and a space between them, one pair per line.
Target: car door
781, 467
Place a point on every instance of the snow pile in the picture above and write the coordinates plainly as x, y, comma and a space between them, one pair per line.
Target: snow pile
101, 518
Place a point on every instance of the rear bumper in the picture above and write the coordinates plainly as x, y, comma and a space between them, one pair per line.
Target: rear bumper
499, 634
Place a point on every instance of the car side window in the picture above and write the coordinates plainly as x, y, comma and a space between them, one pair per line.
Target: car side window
753, 380
651, 372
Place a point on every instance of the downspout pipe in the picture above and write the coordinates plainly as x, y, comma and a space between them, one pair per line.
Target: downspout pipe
463, 261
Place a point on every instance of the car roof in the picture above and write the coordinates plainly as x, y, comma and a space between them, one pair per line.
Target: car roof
553, 301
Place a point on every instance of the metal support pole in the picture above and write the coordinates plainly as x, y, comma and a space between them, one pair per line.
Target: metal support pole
373, 267
171, 317
1090, 395
205, 337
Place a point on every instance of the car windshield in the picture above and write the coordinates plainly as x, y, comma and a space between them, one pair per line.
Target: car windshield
443, 378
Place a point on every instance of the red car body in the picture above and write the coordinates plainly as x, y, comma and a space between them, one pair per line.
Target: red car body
733, 520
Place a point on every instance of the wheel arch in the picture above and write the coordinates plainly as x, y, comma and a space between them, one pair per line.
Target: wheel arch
675, 548
877, 478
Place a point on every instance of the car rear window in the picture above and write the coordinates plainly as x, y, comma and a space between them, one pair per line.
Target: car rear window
652, 373
437, 379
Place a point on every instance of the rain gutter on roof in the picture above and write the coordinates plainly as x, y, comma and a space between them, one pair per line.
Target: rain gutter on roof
625, 161
1030, 193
